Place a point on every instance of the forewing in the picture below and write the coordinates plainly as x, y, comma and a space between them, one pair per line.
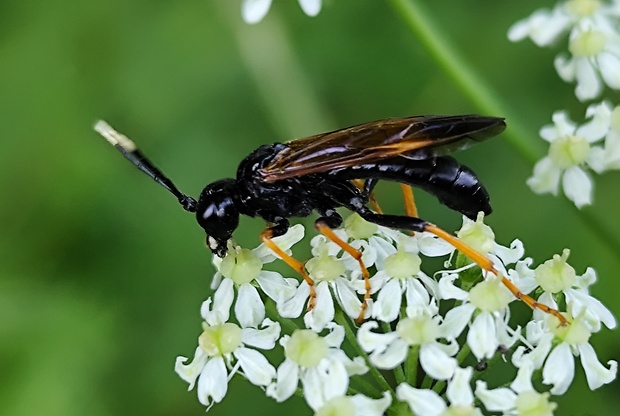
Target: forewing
417, 137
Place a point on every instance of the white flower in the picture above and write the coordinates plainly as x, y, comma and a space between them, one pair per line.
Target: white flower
358, 405
594, 42
421, 328
320, 364
520, 399
485, 309
557, 276
401, 274
569, 150
328, 273
241, 267
253, 11
545, 26
594, 60
428, 403
555, 347
606, 157
223, 350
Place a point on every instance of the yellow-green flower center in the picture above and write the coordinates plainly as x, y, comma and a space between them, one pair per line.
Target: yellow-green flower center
532, 403
221, 339
588, 43
402, 264
582, 8
478, 235
575, 333
338, 406
241, 265
556, 274
306, 348
461, 410
490, 295
418, 330
325, 267
358, 228
569, 151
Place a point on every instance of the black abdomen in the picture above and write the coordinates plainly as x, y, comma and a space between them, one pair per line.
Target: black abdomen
455, 185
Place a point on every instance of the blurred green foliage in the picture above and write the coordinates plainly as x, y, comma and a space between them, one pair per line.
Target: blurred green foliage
101, 273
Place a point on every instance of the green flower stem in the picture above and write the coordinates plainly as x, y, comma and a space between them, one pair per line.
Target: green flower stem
341, 319
411, 365
519, 135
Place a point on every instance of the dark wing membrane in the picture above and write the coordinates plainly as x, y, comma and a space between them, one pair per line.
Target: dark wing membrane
417, 137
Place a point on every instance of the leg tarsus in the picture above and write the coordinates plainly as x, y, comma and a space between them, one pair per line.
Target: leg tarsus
275, 231
324, 227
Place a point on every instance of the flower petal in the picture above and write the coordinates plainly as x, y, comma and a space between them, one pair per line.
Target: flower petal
577, 186
589, 85
276, 286
596, 373
213, 381
456, 320
608, 66
559, 369
190, 372
459, 391
373, 341
421, 401
323, 311
365, 406
286, 381
545, 178
310, 7
347, 298
249, 308
265, 338
496, 400
253, 11
436, 362
291, 308
255, 366
387, 305
393, 355
482, 336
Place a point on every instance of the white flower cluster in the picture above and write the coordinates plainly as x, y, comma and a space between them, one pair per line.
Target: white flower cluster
593, 28
592, 62
422, 327
576, 150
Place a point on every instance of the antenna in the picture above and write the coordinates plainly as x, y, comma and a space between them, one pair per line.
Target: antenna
129, 149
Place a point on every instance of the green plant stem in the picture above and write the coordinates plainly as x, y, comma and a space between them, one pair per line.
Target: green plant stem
341, 319
411, 365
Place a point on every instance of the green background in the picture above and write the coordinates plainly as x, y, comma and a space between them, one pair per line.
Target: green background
101, 273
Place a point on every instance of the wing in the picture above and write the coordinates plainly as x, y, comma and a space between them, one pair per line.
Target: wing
417, 137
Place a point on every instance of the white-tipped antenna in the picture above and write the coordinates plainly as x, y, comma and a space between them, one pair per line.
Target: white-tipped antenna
129, 149
114, 137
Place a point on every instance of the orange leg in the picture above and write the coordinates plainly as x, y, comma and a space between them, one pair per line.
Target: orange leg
410, 208
486, 264
357, 255
298, 266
